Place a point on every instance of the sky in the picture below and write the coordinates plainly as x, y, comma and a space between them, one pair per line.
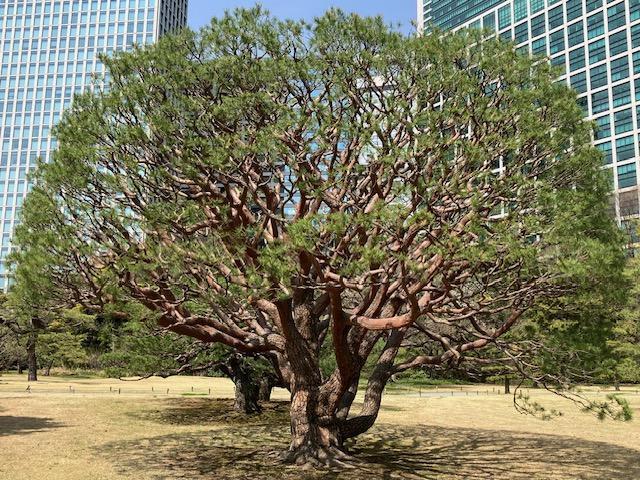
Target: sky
393, 11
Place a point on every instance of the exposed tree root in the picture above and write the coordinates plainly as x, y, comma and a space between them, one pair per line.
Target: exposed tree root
319, 457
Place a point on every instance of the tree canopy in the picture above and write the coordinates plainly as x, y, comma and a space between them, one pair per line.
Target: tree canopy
283, 188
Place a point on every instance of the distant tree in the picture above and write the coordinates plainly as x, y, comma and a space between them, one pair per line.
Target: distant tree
12, 353
625, 341
62, 343
141, 350
19, 331
287, 190
61, 348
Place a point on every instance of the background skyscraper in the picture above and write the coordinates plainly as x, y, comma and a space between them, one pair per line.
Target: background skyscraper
596, 44
48, 53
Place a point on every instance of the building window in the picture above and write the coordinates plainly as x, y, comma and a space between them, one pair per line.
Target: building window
539, 47
625, 148
635, 36
560, 63
619, 69
519, 9
607, 155
521, 33
556, 42
556, 17
579, 82
634, 10
595, 25
593, 4
575, 34
603, 128
576, 59
475, 25
623, 121
618, 43
600, 101
489, 21
506, 35
621, 95
615, 16
574, 9
597, 51
537, 26
504, 17
536, 5
636, 63
627, 174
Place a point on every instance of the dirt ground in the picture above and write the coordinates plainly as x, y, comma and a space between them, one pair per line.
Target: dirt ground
74, 429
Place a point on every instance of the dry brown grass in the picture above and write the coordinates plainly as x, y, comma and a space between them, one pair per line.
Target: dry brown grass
93, 434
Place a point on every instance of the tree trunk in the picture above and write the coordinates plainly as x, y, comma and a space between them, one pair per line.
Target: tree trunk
507, 388
19, 367
315, 432
47, 370
314, 441
32, 361
246, 394
266, 385
378, 379
247, 389
616, 385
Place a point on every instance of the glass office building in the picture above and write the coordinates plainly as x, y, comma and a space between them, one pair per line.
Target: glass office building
48, 53
596, 43
451, 13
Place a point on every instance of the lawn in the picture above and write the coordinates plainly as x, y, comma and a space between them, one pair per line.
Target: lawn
66, 429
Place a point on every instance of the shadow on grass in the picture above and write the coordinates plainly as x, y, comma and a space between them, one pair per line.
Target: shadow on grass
236, 447
10, 425
213, 412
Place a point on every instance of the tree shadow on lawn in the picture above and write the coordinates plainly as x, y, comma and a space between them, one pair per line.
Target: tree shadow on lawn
212, 411
10, 425
239, 447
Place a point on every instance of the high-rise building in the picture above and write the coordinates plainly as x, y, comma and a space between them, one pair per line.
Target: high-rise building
596, 43
451, 13
48, 53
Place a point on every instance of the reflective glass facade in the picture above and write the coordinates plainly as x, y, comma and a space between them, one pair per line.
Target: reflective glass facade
48, 53
452, 13
596, 44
